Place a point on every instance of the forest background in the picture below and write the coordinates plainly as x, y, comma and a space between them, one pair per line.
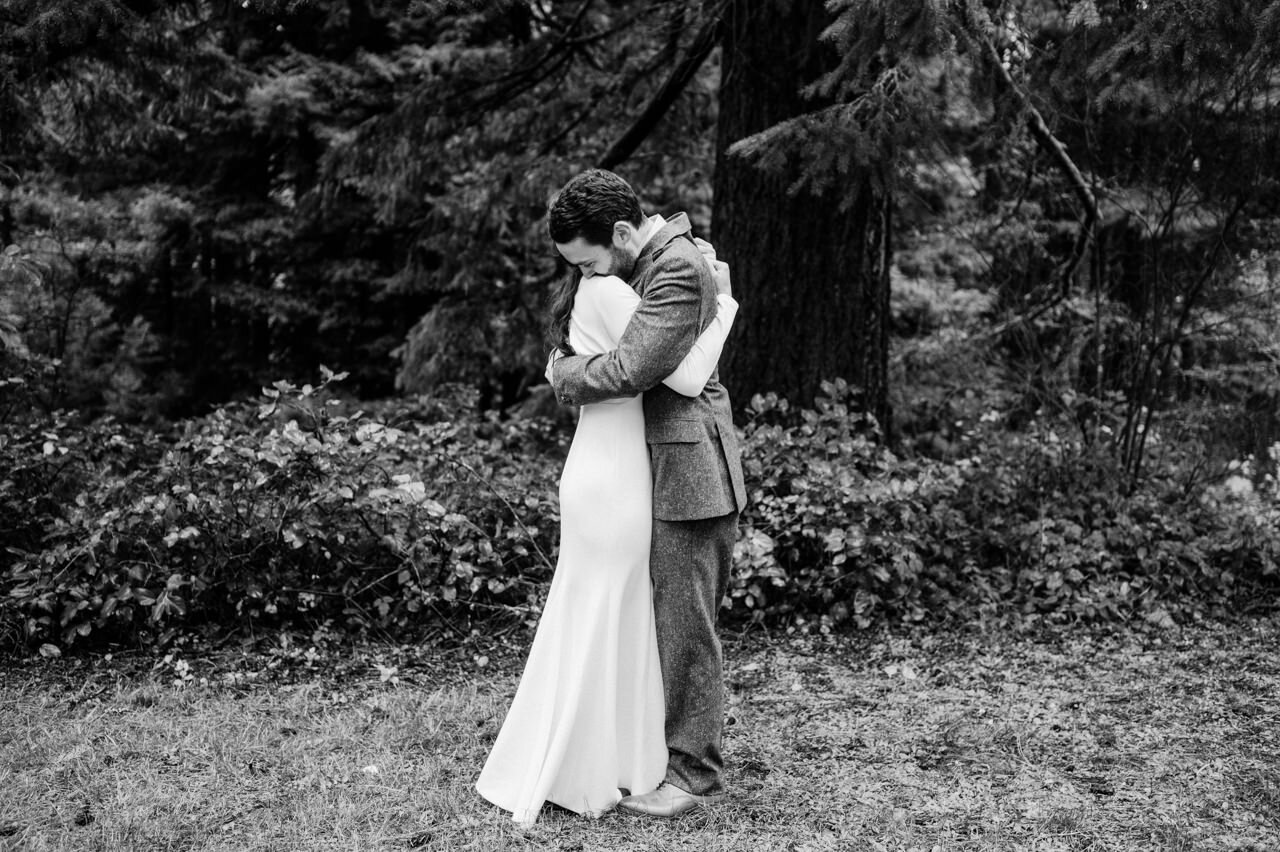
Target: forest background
272, 290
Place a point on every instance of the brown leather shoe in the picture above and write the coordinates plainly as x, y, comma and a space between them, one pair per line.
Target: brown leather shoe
666, 801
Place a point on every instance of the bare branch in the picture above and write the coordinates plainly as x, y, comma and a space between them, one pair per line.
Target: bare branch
1057, 152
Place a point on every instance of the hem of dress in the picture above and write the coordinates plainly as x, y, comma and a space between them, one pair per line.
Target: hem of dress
529, 816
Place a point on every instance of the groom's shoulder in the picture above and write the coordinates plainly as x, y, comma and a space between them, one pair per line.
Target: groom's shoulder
679, 255
675, 239
676, 266
675, 258
679, 250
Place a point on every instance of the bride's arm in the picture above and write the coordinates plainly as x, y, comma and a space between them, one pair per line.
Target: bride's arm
691, 376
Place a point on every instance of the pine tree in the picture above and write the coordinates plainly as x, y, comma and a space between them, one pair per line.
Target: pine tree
807, 235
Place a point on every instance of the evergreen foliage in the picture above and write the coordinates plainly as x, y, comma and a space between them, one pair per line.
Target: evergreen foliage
199, 197
302, 181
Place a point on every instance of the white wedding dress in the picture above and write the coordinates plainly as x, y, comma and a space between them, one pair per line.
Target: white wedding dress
587, 717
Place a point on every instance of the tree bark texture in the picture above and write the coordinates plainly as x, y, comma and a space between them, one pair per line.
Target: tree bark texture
813, 277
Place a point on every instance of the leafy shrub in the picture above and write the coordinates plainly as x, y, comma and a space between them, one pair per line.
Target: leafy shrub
838, 527
918, 308
321, 515
1083, 538
1027, 524
425, 512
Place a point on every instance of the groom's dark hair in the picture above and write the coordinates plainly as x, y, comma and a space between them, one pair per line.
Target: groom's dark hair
589, 205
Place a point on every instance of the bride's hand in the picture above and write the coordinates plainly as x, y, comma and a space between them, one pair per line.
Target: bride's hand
719, 269
720, 272
708, 250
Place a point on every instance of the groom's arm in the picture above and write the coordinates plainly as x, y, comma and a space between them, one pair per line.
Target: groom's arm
661, 332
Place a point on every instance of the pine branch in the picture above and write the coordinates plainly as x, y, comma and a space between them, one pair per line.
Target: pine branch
458, 101
664, 57
681, 75
61, 31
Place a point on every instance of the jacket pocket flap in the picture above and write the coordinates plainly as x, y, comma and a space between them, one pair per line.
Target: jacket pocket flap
673, 432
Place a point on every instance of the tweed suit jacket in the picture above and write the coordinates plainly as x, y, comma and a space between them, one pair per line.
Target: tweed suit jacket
697, 467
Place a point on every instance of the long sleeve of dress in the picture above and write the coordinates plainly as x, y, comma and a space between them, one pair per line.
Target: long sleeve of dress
617, 304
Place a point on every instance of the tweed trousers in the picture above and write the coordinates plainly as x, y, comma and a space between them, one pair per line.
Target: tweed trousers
689, 565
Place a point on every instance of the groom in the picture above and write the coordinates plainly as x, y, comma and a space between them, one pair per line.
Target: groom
598, 226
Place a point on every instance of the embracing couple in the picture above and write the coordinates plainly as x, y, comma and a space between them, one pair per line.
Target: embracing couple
621, 700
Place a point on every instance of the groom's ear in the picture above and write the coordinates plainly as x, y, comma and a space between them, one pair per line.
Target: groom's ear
622, 233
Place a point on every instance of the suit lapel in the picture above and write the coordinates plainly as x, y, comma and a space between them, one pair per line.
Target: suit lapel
676, 226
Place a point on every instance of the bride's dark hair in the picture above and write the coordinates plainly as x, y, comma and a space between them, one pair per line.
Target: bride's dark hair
559, 309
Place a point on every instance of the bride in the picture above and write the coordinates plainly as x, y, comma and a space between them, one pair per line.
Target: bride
587, 720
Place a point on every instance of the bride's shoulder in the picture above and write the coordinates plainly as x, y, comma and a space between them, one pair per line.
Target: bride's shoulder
612, 286
602, 289
608, 282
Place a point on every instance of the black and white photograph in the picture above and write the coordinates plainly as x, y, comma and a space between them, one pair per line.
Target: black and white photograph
592, 425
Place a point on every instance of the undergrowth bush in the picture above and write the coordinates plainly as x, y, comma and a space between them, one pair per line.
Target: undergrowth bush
321, 515
1022, 524
299, 511
838, 528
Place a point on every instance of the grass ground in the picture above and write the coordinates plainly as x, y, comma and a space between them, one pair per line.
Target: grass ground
1083, 741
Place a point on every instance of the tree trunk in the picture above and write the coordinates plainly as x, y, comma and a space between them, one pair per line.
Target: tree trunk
6, 222
813, 278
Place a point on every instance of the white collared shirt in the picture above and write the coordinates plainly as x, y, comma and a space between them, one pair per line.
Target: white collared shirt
652, 225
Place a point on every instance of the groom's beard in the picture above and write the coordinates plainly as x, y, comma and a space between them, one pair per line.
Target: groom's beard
623, 262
